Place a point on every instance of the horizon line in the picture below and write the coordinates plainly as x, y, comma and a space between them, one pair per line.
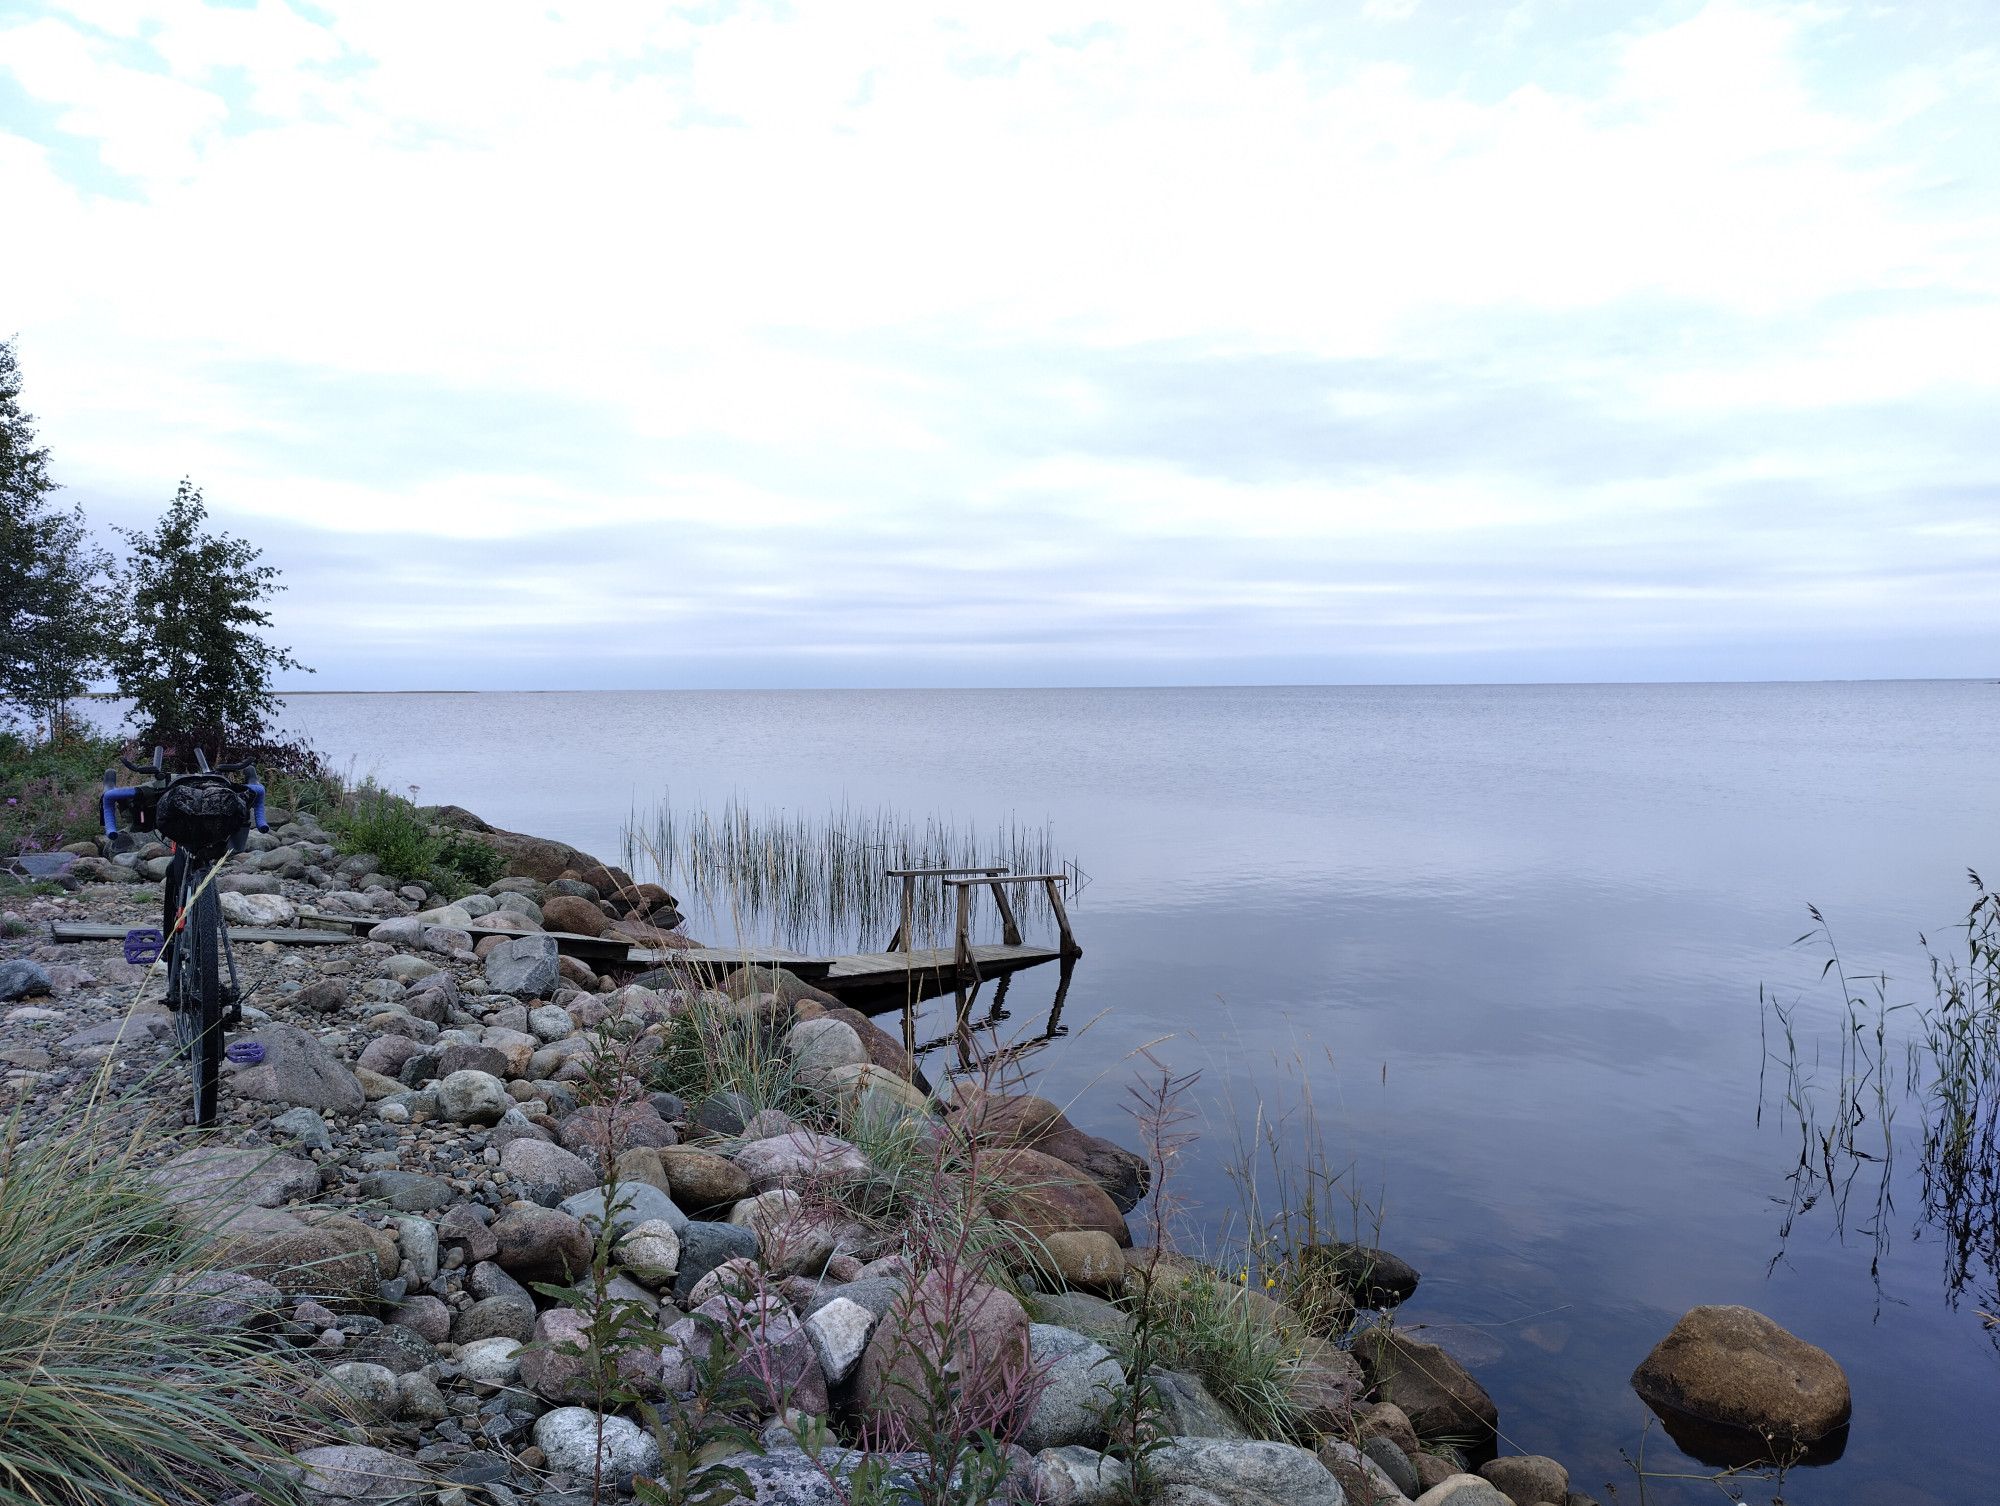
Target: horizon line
1176, 685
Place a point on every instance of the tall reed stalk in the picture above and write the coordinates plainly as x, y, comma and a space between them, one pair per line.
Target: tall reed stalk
809, 880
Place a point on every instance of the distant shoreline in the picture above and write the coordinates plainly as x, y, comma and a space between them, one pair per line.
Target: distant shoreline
108, 695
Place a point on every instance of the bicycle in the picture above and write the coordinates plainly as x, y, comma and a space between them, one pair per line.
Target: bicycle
206, 815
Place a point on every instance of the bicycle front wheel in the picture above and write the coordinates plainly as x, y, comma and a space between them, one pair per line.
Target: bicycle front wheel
202, 958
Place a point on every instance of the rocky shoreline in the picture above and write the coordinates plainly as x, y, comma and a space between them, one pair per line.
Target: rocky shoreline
456, 1189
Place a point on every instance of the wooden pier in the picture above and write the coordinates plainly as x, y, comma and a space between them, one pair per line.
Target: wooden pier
900, 977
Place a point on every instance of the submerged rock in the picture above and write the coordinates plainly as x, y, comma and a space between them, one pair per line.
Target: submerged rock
1439, 1396
1733, 1367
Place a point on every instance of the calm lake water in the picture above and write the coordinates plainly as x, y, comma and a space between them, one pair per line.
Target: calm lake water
1510, 938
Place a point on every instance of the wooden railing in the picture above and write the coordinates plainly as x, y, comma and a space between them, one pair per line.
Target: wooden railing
994, 877
962, 945
904, 939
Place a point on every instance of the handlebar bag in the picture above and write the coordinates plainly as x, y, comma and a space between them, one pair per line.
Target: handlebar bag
203, 813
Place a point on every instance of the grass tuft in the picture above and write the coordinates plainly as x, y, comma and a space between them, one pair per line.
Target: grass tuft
115, 1386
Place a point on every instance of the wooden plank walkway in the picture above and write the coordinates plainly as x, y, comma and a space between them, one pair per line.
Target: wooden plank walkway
726, 959
64, 930
861, 972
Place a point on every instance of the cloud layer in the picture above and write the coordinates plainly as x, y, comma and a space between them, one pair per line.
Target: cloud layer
1067, 343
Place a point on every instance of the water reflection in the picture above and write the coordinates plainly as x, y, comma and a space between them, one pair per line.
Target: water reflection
829, 882
1937, 1060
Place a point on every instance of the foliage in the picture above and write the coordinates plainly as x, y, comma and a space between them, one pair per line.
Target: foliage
295, 775
376, 822
114, 1388
1137, 1431
49, 787
1209, 1326
372, 820
192, 656
58, 607
709, 1049
467, 862
713, 1416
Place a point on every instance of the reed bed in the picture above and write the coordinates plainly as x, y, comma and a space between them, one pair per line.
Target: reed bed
1943, 1062
811, 880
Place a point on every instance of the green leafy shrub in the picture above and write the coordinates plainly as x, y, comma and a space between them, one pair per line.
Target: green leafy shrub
375, 821
395, 832
468, 862
50, 788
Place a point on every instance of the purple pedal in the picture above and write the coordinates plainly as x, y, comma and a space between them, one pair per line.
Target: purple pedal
246, 1053
142, 946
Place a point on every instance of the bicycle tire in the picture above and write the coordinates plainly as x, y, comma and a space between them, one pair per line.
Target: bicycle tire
204, 948
181, 999
171, 897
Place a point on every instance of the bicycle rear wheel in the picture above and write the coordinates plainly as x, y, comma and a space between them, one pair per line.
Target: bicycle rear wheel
183, 998
202, 964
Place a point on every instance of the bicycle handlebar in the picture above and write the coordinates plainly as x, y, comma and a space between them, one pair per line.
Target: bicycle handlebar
112, 795
116, 794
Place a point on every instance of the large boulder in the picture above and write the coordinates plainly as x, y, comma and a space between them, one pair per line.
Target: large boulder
470, 1096
945, 1319
208, 1183
702, 1179
344, 1472
1525, 1479
776, 1355
1439, 1396
387, 1053
1323, 1384
800, 1159
297, 1069
839, 1330
1465, 1490
334, 1260
1187, 1410
557, 1365
603, 1131
547, 1173
581, 1443
1081, 1382
1733, 1367
630, 1204
258, 910
795, 1238
1045, 1196
1372, 1277
1123, 1174
22, 979
526, 967
815, 1045
704, 1246
541, 1244
1242, 1473
566, 912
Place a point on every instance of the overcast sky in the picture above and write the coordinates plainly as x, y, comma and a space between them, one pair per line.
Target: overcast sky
1034, 341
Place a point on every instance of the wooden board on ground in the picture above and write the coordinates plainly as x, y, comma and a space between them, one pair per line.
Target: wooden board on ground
247, 935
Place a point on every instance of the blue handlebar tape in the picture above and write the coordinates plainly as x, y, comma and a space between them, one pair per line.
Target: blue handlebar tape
110, 815
257, 816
